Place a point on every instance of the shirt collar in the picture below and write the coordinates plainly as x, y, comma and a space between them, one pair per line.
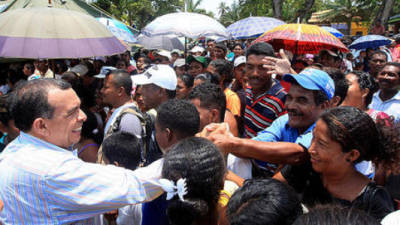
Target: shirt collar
24, 137
309, 129
395, 97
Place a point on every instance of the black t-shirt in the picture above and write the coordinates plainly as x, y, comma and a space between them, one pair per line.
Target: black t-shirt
374, 200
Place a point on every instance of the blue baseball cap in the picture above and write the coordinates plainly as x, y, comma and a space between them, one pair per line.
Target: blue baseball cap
313, 79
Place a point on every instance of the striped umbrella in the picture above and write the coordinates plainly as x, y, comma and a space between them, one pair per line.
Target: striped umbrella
54, 33
252, 27
301, 39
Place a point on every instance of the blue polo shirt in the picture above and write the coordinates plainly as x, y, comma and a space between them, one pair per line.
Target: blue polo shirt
280, 131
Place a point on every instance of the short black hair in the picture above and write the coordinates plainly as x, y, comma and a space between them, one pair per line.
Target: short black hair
211, 96
221, 46
266, 201
237, 44
210, 40
260, 48
31, 101
121, 78
224, 69
320, 97
208, 77
90, 127
30, 66
396, 64
180, 116
187, 79
379, 52
341, 85
335, 215
123, 148
5, 108
170, 93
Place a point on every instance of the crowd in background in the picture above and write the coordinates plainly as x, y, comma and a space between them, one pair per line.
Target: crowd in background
231, 133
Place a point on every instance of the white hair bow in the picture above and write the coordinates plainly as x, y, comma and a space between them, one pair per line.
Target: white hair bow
172, 189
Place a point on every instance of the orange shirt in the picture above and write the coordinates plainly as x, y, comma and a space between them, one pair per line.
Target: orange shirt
232, 102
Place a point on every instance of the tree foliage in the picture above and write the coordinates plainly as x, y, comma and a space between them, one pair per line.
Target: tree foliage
138, 13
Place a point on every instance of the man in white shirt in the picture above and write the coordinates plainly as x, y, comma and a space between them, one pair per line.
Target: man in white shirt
387, 99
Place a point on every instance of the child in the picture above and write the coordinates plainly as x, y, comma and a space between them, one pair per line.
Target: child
123, 149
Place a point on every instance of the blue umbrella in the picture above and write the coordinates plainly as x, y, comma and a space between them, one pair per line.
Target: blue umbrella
252, 27
333, 31
370, 41
118, 29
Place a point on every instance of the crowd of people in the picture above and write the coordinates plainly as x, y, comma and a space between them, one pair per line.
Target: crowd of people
232, 133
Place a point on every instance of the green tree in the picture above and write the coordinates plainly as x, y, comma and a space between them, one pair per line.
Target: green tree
255, 8
232, 15
347, 10
139, 12
193, 6
223, 8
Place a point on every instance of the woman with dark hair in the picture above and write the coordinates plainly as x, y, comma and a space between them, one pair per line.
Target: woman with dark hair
237, 50
195, 169
90, 139
362, 87
184, 86
343, 137
265, 201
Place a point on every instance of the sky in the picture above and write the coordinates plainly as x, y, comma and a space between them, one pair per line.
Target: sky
212, 5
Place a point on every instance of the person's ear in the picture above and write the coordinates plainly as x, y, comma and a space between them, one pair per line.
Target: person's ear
214, 114
325, 105
121, 91
364, 93
168, 133
116, 163
40, 127
334, 102
352, 155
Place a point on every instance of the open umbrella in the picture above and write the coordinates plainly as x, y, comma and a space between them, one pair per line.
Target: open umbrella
333, 31
252, 27
191, 25
370, 41
54, 33
301, 39
120, 30
165, 42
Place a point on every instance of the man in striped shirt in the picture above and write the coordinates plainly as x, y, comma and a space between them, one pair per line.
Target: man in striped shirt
265, 97
43, 182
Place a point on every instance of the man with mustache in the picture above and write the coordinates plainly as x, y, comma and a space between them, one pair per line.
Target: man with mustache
377, 62
265, 97
287, 139
387, 99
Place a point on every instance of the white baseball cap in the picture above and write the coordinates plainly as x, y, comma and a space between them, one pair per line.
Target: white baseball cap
165, 54
161, 75
239, 60
179, 62
197, 49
